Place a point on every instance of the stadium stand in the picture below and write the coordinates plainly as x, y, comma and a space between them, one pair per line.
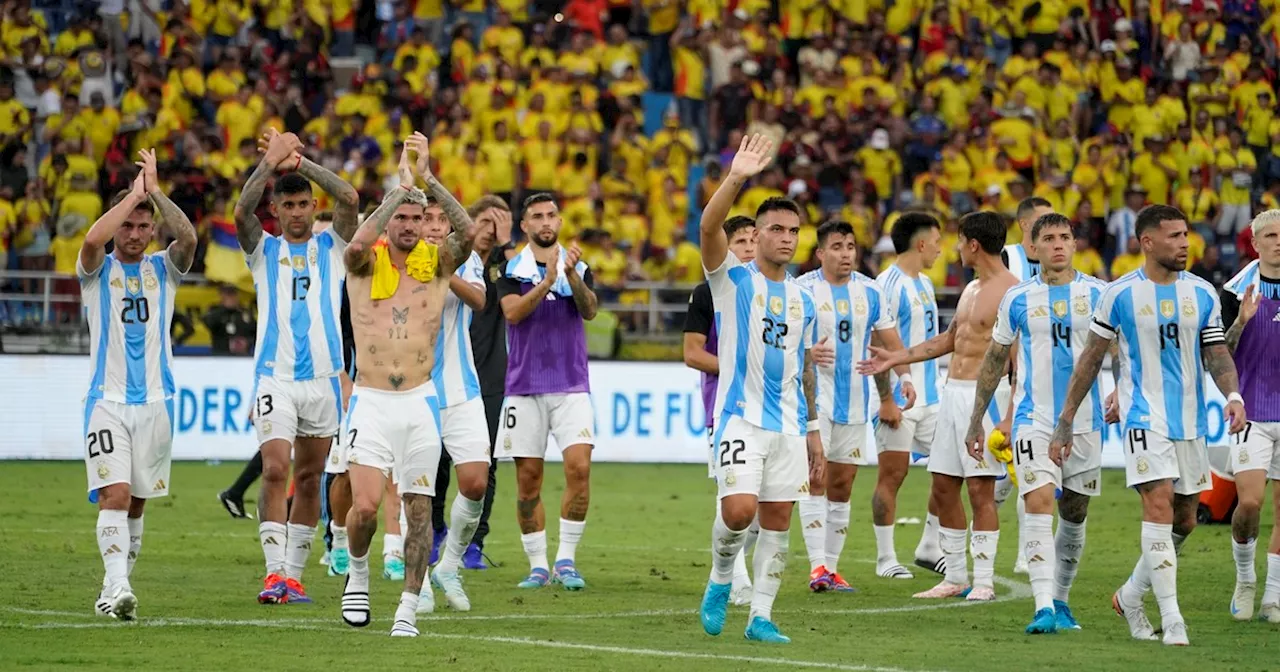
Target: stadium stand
628, 112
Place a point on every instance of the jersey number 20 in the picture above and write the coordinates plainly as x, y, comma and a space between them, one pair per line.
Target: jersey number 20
136, 310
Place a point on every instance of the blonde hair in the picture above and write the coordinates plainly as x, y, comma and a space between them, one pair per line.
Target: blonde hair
1263, 220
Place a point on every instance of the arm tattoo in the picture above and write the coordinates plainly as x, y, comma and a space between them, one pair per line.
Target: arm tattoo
359, 254
248, 227
346, 199
1218, 362
1234, 334
457, 247
183, 249
583, 297
993, 366
810, 380
1086, 372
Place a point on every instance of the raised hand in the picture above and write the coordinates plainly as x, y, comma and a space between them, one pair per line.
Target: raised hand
502, 226
421, 147
572, 255
139, 188
754, 155
279, 148
881, 360
553, 269
1248, 305
404, 169
149, 174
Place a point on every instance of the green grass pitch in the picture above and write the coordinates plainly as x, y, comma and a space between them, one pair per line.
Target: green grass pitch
645, 558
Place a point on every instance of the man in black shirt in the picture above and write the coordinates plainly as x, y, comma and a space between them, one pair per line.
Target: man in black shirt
230, 323
489, 346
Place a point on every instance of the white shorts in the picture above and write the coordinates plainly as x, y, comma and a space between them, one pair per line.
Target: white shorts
914, 434
527, 421
1257, 447
1082, 472
465, 431
949, 456
844, 444
1149, 457
337, 462
397, 433
753, 461
289, 409
129, 443
711, 452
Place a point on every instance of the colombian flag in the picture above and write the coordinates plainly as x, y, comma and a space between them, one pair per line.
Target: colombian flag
223, 260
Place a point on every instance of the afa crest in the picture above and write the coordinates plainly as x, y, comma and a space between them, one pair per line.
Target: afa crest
775, 305
794, 310
149, 281
842, 307
1060, 308
1167, 308
1142, 466
860, 307
1081, 306
1188, 309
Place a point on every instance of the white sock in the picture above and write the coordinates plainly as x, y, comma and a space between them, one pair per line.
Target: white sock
339, 536
770, 563
982, 546
463, 520
570, 534
886, 555
1135, 589
952, 542
1162, 568
1244, 554
726, 551
1271, 594
740, 573
1068, 545
837, 532
297, 549
135, 541
813, 510
358, 571
1022, 540
407, 610
113, 525
535, 546
1037, 531
392, 546
273, 538
753, 536
930, 546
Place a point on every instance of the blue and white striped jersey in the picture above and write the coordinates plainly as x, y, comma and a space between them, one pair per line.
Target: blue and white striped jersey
129, 308
299, 289
454, 371
847, 314
764, 329
911, 304
1019, 264
1161, 329
1050, 324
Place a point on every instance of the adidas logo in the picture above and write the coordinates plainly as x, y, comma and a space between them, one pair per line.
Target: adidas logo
1035, 558
981, 556
826, 308
306, 546
159, 485
1164, 565
112, 550
1093, 485
1040, 311
1203, 479
271, 541
804, 488
775, 575
1277, 317
1069, 561
133, 556
584, 434
117, 284
843, 530
422, 482
814, 525
1146, 311
284, 262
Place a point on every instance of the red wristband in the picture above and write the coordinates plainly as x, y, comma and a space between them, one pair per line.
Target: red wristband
298, 165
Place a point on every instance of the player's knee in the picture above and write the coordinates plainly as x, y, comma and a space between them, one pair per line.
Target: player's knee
275, 473
1249, 502
363, 511
114, 497
473, 486
737, 515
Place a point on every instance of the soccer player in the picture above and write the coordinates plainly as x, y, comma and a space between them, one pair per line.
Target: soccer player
1169, 326
1022, 259
905, 420
128, 411
952, 466
546, 295
1048, 317
462, 419
851, 313
1251, 305
767, 396
299, 350
700, 353
397, 289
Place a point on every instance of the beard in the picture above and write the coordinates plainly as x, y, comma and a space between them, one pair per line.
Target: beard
404, 247
537, 240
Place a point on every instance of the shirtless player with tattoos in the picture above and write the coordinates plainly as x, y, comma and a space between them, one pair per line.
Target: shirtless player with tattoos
981, 239
397, 288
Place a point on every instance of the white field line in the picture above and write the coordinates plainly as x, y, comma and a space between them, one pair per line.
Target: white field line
520, 641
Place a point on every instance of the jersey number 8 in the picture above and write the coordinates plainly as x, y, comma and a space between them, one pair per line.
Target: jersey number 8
774, 334
844, 330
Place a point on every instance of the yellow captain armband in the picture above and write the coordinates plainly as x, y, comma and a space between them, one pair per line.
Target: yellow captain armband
1003, 452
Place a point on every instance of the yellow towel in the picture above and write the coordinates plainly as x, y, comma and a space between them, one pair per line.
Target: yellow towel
420, 264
